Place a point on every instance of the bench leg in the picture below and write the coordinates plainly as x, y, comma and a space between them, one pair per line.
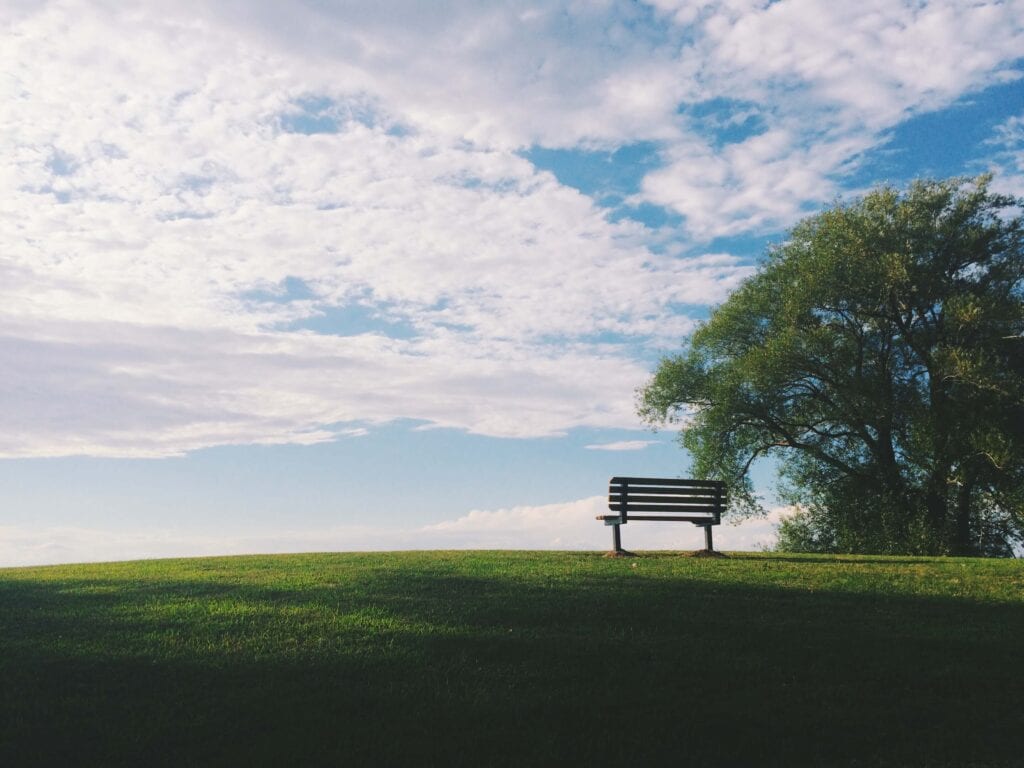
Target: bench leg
707, 539
617, 550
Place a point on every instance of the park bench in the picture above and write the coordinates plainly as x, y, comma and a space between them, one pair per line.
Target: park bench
654, 498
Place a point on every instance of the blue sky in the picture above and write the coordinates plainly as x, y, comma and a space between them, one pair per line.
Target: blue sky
319, 276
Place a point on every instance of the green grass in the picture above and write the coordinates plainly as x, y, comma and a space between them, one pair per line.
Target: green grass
500, 658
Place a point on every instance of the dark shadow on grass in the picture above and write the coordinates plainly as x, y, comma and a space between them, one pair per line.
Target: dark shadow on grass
419, 667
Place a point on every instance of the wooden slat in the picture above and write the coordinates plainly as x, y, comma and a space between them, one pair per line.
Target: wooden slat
660, 502
682, 489
667, 481
635, 504
707, 519
664, 488
679, 518
669, 491
656, 499
680, 508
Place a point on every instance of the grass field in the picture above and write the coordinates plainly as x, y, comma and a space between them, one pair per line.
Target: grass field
501, 658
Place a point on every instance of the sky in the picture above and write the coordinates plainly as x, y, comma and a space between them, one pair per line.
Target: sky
325, 275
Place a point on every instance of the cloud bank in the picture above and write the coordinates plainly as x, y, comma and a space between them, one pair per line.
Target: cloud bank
561, 526
261, 223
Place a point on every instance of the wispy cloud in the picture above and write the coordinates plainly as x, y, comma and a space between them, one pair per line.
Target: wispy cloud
622, 445
122, 390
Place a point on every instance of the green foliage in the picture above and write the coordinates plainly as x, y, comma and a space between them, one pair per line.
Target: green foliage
512, 658
879, 355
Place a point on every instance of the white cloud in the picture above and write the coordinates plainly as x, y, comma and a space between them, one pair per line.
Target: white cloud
156, 203
562, 526
573, 525
1008, 161
122, 390
760, 184
153, 213
874, 60
828, 80
500, 75
622, 445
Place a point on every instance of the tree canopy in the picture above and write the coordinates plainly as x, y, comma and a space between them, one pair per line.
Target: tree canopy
878, 354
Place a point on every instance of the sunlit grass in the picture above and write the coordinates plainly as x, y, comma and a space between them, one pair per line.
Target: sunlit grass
513, 658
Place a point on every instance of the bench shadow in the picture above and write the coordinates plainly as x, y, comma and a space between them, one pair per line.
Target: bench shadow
658, 554
818, 559
418, 667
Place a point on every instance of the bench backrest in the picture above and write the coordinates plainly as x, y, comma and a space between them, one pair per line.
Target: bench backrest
699, 501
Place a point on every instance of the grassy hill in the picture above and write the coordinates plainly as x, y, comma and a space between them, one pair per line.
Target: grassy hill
504, 658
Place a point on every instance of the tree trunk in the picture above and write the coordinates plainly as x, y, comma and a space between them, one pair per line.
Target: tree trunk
935, 507
962, 541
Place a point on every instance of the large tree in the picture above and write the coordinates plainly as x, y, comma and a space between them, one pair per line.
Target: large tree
878, 354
